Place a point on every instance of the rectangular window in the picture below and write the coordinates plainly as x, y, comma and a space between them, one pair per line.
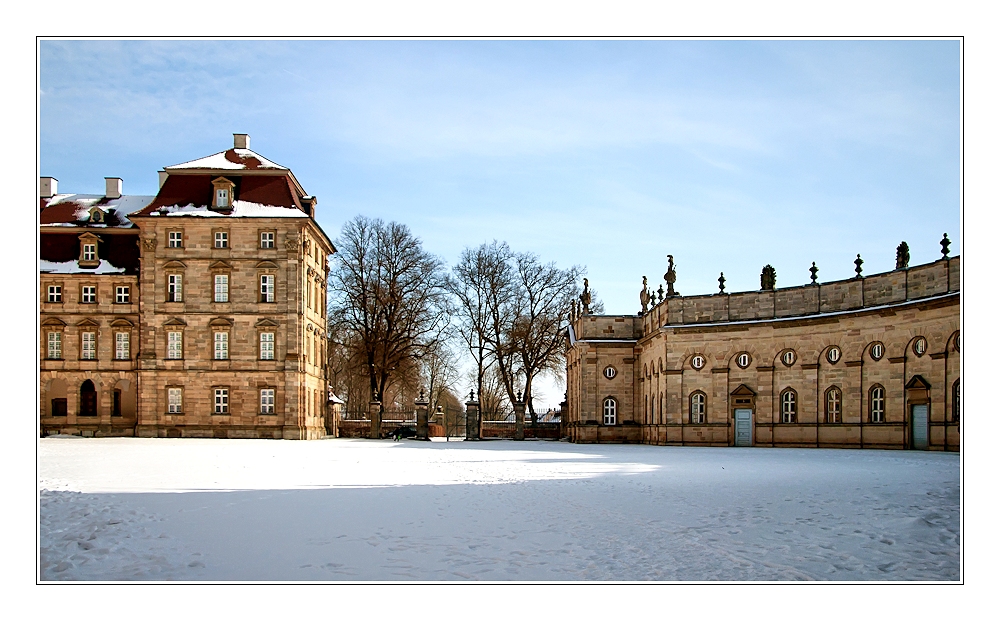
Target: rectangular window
221, 345
221, 287
174, 239
174, 400
267, 401
55, 345
88, 295
222, 401
88, 346
221, 239
90, 252
122, 295
267, 240
121, 346
175, 345
267, 288
267, 345
55, 293
221, 200
175, 288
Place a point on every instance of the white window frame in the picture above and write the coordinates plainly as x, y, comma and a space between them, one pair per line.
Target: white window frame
267, 401
740, 357
88, 345
175, 400
88, 294
920, 346
833, 354
834, 400
54, 347
122, 294
876, 404
877, 351
122, 349
698, 362
267, 240
221, 340
175, 345
788, 358
610, 411
267, 288
175, 287
267, 345
90, 252
175, 239
55, 293
697, 406
221, 288
221, 239
788, 406
221, 401
221, 198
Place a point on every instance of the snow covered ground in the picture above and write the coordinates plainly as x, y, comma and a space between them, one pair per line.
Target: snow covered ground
357, 510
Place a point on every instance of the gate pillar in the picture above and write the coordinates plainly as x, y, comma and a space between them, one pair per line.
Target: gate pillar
375, 414
421, 405
519, 418
472, 417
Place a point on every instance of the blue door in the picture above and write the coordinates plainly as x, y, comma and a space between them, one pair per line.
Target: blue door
918, 427
744, 427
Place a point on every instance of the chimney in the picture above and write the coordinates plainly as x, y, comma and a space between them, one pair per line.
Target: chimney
241, 141
163, 177
48, 187
112, 187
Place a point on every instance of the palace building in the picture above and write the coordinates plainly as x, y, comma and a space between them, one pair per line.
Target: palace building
198, 312
869, 362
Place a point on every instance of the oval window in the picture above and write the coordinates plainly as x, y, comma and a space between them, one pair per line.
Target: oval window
877, 351
788, 358
743, 361
920, 346
958, 342
610, 372
833, 354
698, 362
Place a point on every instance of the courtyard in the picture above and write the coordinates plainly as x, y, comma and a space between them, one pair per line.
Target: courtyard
127, 509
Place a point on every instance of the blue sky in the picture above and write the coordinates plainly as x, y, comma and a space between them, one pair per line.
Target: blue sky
728, 155
607, 154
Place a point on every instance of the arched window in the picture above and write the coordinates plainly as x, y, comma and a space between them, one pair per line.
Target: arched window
88, 399
697, 408
876, 404
833, 400
788, 406
956, 400
610, 411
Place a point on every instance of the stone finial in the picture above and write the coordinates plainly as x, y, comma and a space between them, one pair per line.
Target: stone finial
520, 397
767, 278
660, 292
644, 296
722, 283
945, 242
585, 297
857, 266
472, 395
670, 276
812, 274
902, 256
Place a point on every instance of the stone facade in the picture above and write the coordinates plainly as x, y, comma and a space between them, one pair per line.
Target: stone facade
854, 363
226, 315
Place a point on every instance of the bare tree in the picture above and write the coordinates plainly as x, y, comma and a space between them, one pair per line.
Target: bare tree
512, 308
547, 293
388, 298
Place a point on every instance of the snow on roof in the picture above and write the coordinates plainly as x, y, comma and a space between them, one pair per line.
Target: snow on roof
83, 203
241, 209
73, 267
233, 159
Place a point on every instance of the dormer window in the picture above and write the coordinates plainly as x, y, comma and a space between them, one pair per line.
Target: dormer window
88, 250
222, 194
96, 215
